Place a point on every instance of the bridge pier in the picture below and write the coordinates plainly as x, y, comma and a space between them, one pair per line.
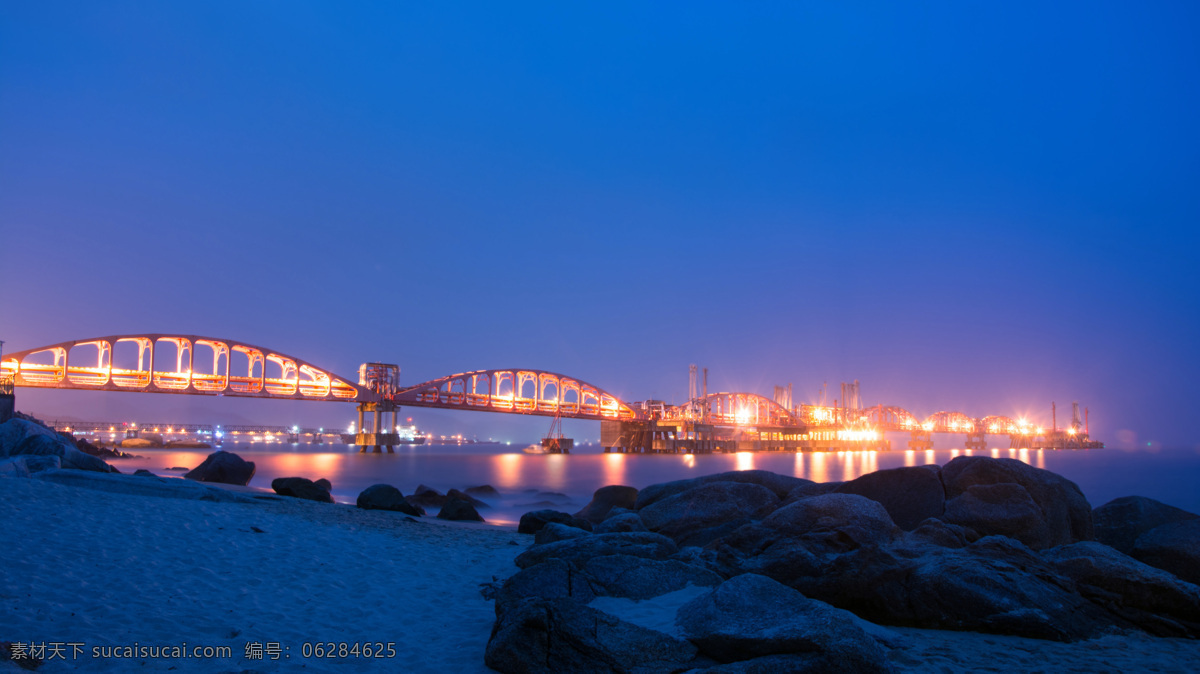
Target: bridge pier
379, 436
920, 440
976, 440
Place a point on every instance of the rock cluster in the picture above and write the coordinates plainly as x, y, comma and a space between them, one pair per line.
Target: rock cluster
454, 505
23, 437
300, 487
790, 569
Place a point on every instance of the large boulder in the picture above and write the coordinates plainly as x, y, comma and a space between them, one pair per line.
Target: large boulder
1066, 516
910, 494
25, 465
224, 467
299, 487
1150, 598
605, 499
577, 551
1004, 509
538, 635
781, 485
554, 532
626, 521
533, 521
460, 511
708, 511
638, 578
23, 437
1172, 547
386, 497
427, 497
552, 579
752, 616
456, 494
485, 490
1121, 521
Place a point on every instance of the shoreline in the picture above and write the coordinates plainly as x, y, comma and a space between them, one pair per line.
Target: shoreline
118, 569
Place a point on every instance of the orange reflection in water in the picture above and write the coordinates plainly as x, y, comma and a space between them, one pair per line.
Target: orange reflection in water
507, 469
556, 469
820, 472
930, 457
995, 452
910, 458
1041, 459
1023, 455
745, 461
689, 460
614, 469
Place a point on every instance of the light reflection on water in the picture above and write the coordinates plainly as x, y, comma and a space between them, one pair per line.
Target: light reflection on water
1102, 474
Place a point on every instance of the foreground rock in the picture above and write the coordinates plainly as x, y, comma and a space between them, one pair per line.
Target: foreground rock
752, 616
703, 513
386, 497
911, 495
223, 467
1154, 600
1172, 547
460, 511
780, 485
533, 521
578, 550
21, 437
605, 499
562, 635
299, 487
1045, 509
427, 497
1121, 521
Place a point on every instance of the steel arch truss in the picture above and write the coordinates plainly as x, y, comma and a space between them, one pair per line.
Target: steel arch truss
90, 364
517, 392
745, 409
888, 417
999, 425
949, 422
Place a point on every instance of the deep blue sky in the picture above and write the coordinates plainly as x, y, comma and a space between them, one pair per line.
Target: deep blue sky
981, 208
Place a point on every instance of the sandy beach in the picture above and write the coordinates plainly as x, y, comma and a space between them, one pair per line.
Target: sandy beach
104, 569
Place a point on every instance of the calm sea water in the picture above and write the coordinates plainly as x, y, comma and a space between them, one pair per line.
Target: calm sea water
1171, 476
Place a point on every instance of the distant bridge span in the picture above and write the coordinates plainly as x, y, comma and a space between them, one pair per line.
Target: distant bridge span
194, 365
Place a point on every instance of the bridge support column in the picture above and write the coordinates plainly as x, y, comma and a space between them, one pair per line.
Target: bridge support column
920, 440
976, 440
379, 436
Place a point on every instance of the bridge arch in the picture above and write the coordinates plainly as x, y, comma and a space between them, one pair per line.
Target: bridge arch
949, 422
517, 391
736, 409
62, 366
890, 417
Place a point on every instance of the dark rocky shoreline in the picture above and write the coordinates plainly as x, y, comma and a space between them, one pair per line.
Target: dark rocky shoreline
797, 567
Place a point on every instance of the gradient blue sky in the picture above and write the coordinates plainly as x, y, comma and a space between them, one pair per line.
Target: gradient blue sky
982, 208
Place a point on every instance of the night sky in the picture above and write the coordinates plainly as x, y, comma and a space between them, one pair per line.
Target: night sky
966, 207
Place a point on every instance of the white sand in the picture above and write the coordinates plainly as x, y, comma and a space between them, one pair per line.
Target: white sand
102, 568
81, 565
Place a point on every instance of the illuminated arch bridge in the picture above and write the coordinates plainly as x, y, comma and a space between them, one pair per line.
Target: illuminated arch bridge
195, 365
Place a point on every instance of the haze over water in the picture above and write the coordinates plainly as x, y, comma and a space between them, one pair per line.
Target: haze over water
1102, 474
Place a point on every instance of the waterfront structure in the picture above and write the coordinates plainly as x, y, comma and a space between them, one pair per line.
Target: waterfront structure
717, 422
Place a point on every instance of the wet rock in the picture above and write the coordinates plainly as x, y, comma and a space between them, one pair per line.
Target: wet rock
780, 485
554, 532
456, 494
708, 511
605, 499
225, 468
910, 495
809, 490
324, 484
386, 497
628, 521
300, 487
752, 616
1174, 548
552, 579
562, 635
639, 578
1065, 511
427, 497
577, 551
1121, 521
460, 511
20, 436
144, 472
944, 534
486, 490
1154, 600
1004, 509
532, 522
